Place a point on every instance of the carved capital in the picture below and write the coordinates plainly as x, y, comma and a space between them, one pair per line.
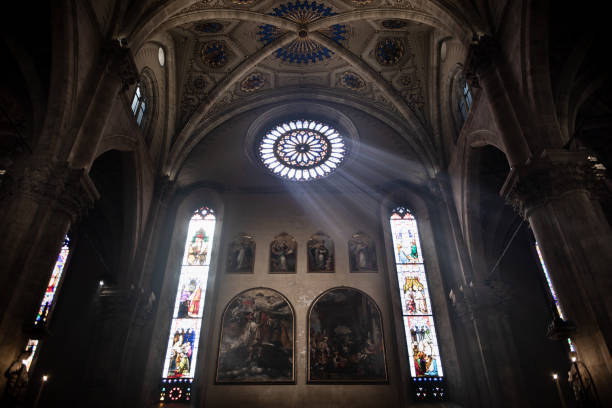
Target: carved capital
554, 174
484, 298
481, 58
120, 62
60, 187
116, 303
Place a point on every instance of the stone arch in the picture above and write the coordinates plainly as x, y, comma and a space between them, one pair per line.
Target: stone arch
425, 156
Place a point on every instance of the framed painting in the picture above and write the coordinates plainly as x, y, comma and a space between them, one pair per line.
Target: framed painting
362, 253
241, 254
345, 339
321, 257
257, 339
283, 254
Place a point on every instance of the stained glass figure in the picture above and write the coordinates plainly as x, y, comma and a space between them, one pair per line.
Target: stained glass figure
321, 257
362, 253
553, 292
420, 330
302, 150
241, 254
283, 253
47, 302
181, 354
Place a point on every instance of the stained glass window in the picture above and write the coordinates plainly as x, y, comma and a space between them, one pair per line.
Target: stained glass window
553, 292
47, 301
138, 104
181, 354
419, 327
302, 150
465, 100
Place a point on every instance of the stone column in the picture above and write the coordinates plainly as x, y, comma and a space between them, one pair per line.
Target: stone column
481, 70
483, 310
51, 197
555, 194
119, 73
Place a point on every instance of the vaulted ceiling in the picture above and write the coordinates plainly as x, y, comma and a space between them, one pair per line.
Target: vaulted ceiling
378, 55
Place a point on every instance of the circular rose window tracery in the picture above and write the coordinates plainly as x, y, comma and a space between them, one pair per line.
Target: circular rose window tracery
302, 150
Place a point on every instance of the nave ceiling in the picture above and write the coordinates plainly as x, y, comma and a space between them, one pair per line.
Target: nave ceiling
379, 56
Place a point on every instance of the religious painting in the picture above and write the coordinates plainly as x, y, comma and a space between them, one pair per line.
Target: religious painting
257, 335
362, 253
241, 254
345, 342
283, 254
320, 253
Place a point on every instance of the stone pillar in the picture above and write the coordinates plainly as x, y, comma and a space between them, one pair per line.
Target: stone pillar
119, 73
51, 197
483, 310
554, 193
482, 72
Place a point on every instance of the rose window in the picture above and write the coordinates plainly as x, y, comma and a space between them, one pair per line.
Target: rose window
302, 150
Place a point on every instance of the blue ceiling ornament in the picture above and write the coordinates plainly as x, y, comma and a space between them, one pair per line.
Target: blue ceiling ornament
389, 51
302, 50
214, 54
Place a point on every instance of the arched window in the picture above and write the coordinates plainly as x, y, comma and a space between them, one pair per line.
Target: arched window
465, 99
47, 302
553, 292
138, 104
417, 314
181, 355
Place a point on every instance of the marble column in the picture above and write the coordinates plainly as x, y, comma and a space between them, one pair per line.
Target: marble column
555, 194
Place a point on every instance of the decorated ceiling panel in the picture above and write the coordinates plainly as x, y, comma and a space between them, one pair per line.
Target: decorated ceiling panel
220, 38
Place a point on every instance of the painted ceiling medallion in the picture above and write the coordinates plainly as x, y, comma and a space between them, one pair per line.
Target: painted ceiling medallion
352, 81
199, 82
394, 24
252, 82
209, 28
214, 54
389, 51
302, 150
302, 50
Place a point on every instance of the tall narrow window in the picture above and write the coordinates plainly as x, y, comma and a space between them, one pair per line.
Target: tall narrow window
465, 100
47, 301
553, 292
181, 355
138, 104
420, 331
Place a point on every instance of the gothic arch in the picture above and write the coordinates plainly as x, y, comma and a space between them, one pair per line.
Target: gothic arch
179, 153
